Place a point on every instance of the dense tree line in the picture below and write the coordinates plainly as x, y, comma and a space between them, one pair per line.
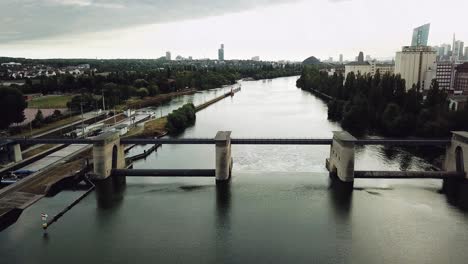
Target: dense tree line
119, 86
12, 105
382, 104
181, 118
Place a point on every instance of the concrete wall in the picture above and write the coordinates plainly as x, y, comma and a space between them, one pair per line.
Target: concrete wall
103, 152
459, 140
341, 159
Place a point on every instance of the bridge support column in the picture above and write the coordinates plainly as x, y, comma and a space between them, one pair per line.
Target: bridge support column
108, 154
14, 153
456, 160
223, 156
341, 161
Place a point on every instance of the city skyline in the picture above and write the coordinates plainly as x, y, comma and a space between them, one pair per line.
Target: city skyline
198, 33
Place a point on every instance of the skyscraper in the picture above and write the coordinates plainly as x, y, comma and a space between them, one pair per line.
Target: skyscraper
466, 53
168, 55
457, 53
341, 58
420, 35
361, 57
221, 53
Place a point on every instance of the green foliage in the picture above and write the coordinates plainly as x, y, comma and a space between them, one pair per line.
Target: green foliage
38, 119
181, 118
382, 104
88, 101
142, 92
12, 105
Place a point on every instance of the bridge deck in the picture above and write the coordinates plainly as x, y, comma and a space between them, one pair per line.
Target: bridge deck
240, 141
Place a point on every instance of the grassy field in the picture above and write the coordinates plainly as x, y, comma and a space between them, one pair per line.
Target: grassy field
50, 101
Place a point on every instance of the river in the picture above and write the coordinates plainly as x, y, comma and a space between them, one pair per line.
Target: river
278, 209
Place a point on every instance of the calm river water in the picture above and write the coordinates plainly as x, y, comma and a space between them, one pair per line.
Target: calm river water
279, 208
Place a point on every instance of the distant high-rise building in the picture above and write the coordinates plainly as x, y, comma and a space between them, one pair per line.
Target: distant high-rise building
341, 58
417, 65
420, 35
447, 49
256, 58
466, 53
330, 59
361, 57
190, 57
168, 55
457, 53
368, 58
221, 53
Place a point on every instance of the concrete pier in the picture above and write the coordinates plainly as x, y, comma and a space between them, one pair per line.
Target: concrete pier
341, 161
223, 156
456, 156
108, 154
456, 160
15, 153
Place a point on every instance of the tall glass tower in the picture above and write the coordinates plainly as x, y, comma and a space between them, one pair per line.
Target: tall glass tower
221, 53
420, 35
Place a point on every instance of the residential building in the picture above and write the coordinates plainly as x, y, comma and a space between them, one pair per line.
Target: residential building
420, 35
168, 55
357, 67
383, 68
461, 78
369, 68
445, 74
416, 64
221, 53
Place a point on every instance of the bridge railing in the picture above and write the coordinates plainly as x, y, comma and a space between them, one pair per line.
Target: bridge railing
238, 141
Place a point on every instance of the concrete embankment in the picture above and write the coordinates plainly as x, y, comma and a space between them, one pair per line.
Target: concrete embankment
215, 100
321, 95
157, 127
157, 100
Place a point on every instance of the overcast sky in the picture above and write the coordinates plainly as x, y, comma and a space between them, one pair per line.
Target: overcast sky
271, 29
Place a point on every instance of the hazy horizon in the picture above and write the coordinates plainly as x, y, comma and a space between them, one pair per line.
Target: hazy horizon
272, 29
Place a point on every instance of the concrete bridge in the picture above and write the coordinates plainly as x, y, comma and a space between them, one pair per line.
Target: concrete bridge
108, 154
110, 165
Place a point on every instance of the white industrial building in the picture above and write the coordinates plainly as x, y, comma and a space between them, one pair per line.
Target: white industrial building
416, 65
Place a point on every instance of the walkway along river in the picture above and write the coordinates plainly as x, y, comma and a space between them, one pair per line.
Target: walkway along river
280, 207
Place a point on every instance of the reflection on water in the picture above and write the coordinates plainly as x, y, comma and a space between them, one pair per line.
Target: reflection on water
110, 192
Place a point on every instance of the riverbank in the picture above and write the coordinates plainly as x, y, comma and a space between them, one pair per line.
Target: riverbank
157, 127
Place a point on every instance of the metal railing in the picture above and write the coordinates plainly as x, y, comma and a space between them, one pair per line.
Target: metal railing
237, 141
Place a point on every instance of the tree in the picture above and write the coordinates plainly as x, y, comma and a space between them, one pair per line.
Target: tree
87, 100
38, 119
12, 105
142, 92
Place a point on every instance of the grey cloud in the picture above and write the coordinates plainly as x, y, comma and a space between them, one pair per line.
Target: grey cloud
34, 19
